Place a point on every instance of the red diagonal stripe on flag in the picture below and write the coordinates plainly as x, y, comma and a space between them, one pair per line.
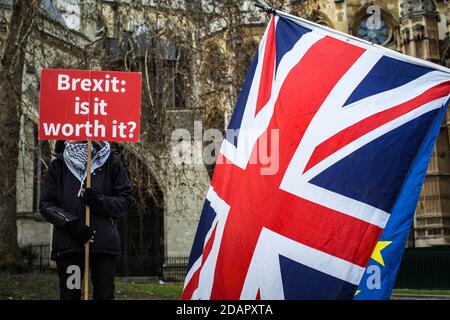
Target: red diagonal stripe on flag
193, 283
350, 134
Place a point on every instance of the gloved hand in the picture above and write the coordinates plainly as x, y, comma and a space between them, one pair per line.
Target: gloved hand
91, 197
82, 232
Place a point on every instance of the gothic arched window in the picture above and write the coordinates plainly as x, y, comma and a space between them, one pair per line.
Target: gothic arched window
375, 35
374, 24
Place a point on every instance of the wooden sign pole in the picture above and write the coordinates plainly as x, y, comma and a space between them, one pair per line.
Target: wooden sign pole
88, 222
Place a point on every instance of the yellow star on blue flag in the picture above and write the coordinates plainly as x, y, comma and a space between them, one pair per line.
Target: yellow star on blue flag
376, 254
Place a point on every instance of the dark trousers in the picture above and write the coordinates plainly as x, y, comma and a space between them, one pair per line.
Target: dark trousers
102, 272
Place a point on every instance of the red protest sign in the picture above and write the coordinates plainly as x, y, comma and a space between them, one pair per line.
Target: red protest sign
90, 104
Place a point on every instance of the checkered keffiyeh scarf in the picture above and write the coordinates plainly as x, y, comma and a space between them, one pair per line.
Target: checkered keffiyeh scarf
75, 157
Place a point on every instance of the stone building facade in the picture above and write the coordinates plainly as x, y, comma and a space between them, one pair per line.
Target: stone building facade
67, 36
67, 29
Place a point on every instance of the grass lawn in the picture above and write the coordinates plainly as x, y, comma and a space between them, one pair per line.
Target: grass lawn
37, 286
422, 292
147, 291
28, 286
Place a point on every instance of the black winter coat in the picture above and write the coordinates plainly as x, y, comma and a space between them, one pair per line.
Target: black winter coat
60, 204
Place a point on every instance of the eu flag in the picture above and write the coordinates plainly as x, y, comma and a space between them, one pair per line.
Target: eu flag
381, 272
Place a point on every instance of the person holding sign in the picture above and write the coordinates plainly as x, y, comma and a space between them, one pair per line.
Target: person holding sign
79, 107
63, 201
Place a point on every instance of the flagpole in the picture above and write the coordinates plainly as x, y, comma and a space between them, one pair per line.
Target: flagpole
265, 8
88, 222
348, 37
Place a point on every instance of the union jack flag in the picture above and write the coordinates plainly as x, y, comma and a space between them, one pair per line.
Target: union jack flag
350, 118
